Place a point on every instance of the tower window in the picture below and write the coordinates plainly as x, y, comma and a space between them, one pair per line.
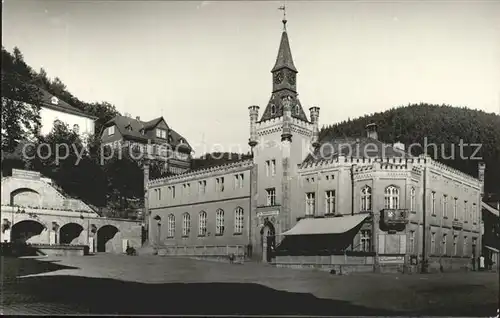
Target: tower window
273, 109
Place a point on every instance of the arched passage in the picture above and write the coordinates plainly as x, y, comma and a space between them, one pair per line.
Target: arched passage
268, 240
69, 233
27, 231
105, 236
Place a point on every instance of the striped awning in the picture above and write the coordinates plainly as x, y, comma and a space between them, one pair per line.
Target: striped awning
492, 248
334, 225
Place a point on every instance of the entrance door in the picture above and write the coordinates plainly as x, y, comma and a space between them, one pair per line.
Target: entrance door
268, 242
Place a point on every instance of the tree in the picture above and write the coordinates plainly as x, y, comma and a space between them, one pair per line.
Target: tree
21, 104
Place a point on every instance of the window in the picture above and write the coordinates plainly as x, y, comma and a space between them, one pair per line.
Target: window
474, 213
187, 188
433, 203
238, 220
365, 240
271, 196
366, 199
455, 207
76, 128
412, 200
455, 245
433, 243
219, 184
443, 243
202, 186
330, 177
171, 189
111, 130
464, 251
161, 133
474, 243
219, 222
159, 194
445, 206
391, 197
54, 100
330, 202
171, 226
273, 167
273, 109
202, 223
238, 181
310, 203
466, 212
186, 224
412, 242
270, 167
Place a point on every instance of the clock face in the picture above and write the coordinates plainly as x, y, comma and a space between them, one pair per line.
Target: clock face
278, 77
291, 78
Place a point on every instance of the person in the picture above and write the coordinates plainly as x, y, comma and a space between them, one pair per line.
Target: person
481, 262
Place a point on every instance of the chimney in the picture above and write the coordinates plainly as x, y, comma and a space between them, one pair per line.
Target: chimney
314, 112
371, 131
138, 118
254, 115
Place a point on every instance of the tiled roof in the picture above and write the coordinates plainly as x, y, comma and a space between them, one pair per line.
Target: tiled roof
122, 123
284, 58
61, 105
276, 101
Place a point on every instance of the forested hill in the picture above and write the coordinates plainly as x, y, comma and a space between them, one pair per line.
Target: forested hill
13, 63
442, 125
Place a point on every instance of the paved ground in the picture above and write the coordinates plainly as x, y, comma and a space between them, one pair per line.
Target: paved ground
119, 284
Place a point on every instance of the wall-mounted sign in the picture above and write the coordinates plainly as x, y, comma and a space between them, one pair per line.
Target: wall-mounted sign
391, 259
267, 213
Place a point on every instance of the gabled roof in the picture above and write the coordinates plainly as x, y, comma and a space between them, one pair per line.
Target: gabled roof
331, 147
132, 129
61, 105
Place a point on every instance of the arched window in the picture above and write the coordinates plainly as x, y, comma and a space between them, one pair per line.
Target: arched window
366, 198
219, 222
202, 223
412, 200
76, 128
273, 109
186, 224
391, 197
238, 220
171, 226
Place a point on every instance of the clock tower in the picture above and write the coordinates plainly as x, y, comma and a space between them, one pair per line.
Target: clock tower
284, 79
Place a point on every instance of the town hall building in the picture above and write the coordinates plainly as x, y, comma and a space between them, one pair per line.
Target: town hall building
356, 203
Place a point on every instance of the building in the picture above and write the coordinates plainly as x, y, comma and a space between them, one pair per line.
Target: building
330, 202
154, 137
35, 212
53, 109
491, 233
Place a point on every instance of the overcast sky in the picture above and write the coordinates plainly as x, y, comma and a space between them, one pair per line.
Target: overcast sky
201, 64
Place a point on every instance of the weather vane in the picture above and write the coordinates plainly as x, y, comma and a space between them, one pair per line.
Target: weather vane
283, 8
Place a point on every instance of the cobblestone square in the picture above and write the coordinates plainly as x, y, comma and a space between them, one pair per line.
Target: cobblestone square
119, 284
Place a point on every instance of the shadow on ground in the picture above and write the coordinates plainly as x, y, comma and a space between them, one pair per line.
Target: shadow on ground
13, 267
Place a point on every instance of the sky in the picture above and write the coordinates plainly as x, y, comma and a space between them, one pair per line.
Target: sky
201, 64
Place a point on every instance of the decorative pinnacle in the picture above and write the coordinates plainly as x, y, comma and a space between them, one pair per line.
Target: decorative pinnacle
283, 8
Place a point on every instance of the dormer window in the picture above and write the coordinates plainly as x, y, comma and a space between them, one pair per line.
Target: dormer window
111, 130
54, 100
273, 109
161, 133
129, 127
181, 141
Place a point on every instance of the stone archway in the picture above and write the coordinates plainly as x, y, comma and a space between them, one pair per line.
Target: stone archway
105, 237
27, 231
268, 240
25, 197
69, 233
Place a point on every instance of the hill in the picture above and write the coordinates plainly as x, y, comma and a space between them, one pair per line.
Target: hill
443, 125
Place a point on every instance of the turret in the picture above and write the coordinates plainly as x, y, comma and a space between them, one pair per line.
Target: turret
314, 112
254, 115
287, 118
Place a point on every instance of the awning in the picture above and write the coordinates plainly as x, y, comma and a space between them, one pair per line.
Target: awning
334, 225
490, 208
491, 248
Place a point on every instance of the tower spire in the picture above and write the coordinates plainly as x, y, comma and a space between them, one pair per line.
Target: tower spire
283, 8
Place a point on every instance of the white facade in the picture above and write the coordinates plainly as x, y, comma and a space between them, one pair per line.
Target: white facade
85, 125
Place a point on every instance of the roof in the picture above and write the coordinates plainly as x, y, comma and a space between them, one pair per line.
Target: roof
137, 127
61, 105
333, 225
276, 101
284, 58
366, 147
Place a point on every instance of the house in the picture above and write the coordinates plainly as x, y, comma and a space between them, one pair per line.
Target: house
154, 137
